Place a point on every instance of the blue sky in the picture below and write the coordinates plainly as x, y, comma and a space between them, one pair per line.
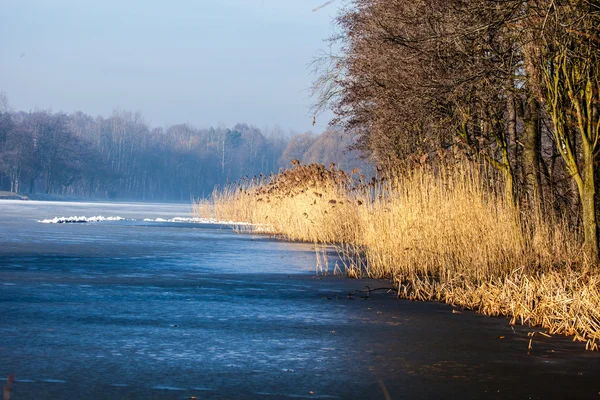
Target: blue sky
206, 62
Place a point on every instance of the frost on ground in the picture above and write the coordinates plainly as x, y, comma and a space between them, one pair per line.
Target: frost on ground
75, 220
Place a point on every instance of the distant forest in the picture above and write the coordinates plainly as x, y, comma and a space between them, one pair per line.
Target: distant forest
122, 158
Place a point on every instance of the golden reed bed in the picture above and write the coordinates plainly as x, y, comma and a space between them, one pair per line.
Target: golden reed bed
440, 234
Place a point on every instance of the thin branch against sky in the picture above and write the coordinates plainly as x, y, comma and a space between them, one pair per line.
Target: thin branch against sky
323, 5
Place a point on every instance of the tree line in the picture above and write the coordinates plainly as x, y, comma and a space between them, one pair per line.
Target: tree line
512, 83
122, 157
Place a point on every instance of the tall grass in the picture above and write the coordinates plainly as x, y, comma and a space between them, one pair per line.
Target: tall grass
442, 234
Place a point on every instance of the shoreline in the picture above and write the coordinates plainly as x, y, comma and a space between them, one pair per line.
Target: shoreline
12, 196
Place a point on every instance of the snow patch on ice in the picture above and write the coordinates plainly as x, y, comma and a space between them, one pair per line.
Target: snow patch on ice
100, 218
82, 219
195, 221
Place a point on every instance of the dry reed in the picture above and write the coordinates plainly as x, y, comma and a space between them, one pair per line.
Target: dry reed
442, 234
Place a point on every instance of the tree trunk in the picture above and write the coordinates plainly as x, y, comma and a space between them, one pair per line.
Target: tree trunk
47, 183
511, 144
532, 144
507, 170
587, 193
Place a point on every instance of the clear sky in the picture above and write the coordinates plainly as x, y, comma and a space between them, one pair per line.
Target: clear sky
205, 62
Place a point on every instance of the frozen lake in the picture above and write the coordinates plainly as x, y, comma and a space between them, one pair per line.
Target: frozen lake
134, 308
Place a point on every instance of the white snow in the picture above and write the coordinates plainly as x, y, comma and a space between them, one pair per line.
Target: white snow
183, 219
195, 221
82, 219
100, 218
